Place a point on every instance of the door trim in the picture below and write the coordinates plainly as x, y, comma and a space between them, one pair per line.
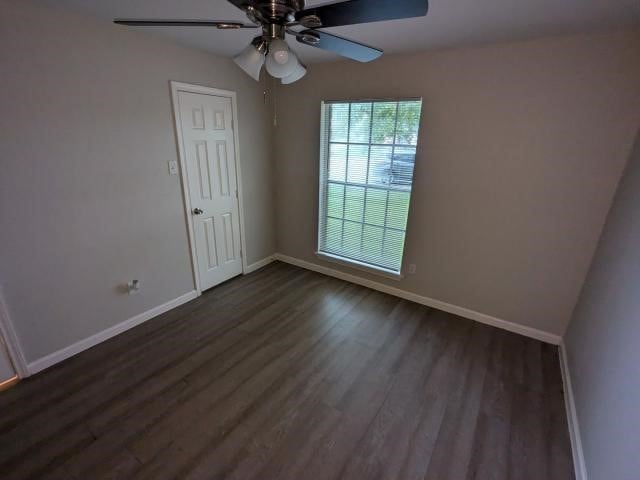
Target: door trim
11, 342
176, 88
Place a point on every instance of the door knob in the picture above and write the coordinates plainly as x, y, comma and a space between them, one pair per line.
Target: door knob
198, 211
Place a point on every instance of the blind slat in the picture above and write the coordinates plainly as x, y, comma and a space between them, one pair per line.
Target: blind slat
367, 158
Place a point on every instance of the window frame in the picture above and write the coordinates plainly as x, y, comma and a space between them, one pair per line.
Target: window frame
323, 182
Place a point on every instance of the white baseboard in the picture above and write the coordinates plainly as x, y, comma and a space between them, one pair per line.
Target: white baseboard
56, 357
572, 417
429, 302
258, 265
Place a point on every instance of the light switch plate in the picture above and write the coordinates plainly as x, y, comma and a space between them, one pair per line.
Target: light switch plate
173, 167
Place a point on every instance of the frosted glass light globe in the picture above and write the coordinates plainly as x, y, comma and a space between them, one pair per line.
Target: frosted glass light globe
280, 52
281, 62
250, 60
298, 72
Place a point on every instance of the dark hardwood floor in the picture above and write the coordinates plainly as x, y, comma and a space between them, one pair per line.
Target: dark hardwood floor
288, 374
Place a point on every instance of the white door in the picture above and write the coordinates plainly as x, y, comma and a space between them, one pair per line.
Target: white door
206, 122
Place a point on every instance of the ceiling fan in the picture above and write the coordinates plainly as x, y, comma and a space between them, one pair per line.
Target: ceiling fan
280, 17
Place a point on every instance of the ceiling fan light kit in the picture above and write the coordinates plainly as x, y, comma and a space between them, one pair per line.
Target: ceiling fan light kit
299, 72
252, 58
281, 61
280, 17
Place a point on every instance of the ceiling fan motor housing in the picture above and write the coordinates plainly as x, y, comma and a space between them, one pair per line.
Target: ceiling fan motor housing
279, 11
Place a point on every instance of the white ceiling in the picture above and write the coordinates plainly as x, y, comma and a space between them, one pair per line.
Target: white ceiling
449, 23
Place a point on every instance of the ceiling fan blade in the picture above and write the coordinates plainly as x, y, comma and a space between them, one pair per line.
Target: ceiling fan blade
241, 4
341, 46
182, 23
353, 12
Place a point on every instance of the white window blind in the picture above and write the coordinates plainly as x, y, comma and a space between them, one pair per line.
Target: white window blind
367, 158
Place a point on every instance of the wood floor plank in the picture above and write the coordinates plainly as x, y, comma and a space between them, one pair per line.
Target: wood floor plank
374, 455
455, 439
296, 343
110, 444
490, 457
277, 420
289, 374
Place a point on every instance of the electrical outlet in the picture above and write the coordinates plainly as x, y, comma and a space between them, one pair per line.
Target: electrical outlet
412, 268
173, 167
133, 287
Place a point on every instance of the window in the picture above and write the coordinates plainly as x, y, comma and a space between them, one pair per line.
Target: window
367, 157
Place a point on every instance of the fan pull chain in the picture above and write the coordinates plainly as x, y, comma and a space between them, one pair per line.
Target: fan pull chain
275, 103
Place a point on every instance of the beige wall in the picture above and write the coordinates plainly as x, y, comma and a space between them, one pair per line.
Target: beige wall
522, 145
86, 201
603, 338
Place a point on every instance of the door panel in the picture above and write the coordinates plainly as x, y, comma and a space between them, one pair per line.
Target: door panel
208, 140
227, 227
223, 169
210, 242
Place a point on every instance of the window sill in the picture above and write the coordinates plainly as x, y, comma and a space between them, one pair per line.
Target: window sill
360, 266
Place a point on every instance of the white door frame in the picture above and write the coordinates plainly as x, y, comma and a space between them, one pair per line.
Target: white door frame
14, 349
177, 87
